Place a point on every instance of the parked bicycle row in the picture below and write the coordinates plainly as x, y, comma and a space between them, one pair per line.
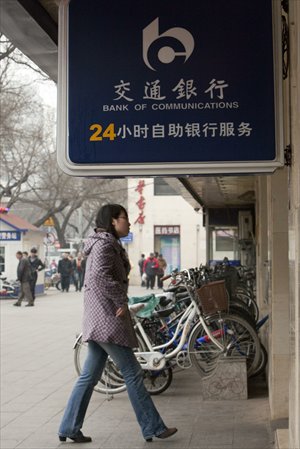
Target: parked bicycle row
204, 314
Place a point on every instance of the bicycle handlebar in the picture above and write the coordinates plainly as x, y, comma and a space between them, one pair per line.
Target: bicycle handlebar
164, 278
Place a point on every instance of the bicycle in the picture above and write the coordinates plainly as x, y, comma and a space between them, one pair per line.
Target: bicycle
156, 381
241, 293
203, 338
52, 280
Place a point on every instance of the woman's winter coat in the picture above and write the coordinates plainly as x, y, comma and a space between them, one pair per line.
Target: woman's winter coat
106, 284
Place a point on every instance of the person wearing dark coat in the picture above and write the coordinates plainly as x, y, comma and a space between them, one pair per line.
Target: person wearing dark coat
74, 273
24, 276
108, 329
36, 266
65, 271
80, 264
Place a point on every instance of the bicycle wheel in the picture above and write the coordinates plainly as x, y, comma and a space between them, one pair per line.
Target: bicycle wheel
10, 293
111, 381
237, 336
251, 303
263, 360
242, 288
241, 310
156, 382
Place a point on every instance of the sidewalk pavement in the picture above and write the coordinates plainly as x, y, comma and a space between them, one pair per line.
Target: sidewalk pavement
37, 375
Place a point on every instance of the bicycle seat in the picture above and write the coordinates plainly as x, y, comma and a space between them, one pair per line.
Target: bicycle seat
164, 301
163, 313
135, 308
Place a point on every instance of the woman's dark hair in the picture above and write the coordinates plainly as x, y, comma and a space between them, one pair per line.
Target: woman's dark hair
105, 216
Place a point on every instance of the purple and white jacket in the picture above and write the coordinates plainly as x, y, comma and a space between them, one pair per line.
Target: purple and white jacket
105, 290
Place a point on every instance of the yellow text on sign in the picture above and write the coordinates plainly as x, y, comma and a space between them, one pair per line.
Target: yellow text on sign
99, 134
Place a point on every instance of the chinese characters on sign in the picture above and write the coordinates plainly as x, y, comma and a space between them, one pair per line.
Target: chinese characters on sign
187, 130
167, 230
141, 203
10, 235
185, 89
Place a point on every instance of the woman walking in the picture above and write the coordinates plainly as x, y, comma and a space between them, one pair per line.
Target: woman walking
108, 329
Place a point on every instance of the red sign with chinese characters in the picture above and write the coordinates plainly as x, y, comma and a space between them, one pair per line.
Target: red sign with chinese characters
141, 203
167, 230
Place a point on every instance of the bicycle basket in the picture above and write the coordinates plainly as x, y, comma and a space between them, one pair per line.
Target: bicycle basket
212, 297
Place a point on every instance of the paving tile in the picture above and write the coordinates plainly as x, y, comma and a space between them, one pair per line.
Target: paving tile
7, 417
253, 444
8, 444
213, 438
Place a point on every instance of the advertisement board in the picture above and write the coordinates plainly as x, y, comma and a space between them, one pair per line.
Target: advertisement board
169, 88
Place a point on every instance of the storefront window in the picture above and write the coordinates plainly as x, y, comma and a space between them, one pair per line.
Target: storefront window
161, 187
224, 243
167, 243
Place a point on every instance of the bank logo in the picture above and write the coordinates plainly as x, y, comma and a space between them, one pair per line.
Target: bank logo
164, 48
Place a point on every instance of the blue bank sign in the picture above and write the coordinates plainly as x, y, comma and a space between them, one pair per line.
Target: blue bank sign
169, 87
128, 238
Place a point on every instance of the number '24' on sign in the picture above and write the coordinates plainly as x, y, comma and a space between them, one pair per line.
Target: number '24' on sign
99, 133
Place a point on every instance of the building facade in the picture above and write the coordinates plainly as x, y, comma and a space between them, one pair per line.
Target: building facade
161, 221
17, 234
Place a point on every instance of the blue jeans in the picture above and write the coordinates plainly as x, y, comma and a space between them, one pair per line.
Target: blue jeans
147, 415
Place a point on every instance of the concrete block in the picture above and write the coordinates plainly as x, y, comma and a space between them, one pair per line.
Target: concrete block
228, 381
282, 439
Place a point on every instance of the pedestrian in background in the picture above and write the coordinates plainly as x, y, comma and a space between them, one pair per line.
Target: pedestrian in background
108, 330
74, 273
162, 265
64, 269
80, 266
150, 268
141, 265
36, 265
24, 277
53, 266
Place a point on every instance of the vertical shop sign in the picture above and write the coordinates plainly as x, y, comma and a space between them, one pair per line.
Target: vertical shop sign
141, 203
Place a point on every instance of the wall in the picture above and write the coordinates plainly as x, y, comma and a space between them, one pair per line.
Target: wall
277, 194
294, 227
262, 262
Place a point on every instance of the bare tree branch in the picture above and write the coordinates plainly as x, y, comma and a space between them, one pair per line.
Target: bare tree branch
30, 176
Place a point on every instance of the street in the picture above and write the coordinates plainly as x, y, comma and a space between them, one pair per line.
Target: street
37, 374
